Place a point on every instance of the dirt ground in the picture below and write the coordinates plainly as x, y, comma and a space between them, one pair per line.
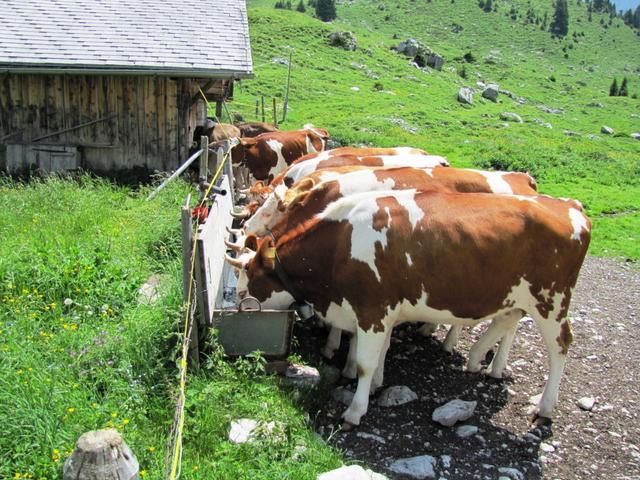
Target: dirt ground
603, 363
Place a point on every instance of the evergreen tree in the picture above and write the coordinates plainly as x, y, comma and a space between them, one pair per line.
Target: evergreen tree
598, 5
624, 91
560, 23
488, 6
326, 10
613, 89
636, 17
628, 17
301, 8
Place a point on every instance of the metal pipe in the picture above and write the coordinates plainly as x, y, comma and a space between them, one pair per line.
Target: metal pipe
182, 168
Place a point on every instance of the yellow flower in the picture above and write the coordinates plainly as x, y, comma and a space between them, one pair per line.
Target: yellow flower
196, 468
74, 326
71, 410
152, 449
143, 473
114, 414
94, 405
125, 422
65, 326
109, 424
53, 305
19, 372
17, 475
30, 369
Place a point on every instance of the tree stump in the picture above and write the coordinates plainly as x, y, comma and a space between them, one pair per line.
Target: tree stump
101, 455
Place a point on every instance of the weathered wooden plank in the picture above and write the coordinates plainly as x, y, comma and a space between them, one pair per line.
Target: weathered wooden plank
172, 123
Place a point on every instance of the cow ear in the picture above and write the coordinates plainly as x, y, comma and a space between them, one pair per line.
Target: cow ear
251, 242
268, 253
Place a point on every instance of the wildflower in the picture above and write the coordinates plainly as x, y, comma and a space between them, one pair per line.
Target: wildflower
17, 475
151, 449
19, 372
114, 414
65, 326
30, 369
55, 456
71, 410
143, 473
68, 301
74, 326
196, 468
53, 305
125, 422
94, 405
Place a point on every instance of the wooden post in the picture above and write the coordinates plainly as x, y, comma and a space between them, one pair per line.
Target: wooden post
257, 112
275, 114
101, 455
286, 93
262, 100
187, 279
204, 158
219, 111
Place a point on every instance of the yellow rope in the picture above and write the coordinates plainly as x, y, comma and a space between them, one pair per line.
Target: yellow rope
177, 452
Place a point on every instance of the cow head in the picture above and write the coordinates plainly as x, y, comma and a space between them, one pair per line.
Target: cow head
268, 214
257, 277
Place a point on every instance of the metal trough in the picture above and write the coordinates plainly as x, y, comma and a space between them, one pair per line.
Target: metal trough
242, 329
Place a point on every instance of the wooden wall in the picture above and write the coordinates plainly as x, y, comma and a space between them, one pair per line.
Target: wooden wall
152, 127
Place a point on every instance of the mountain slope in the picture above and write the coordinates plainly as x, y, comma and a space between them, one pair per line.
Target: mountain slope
395, 103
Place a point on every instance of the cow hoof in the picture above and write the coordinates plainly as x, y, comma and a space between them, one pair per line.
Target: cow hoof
537, 420
474, 368
492, 374
347, 426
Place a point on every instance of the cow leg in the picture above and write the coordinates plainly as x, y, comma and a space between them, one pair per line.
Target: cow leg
428, 329
497, 329
378, 376
557, 336
499, 362
333, 343
370, 348
451, 339
350, 369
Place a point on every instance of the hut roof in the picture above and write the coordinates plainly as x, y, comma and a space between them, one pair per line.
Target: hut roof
152, 37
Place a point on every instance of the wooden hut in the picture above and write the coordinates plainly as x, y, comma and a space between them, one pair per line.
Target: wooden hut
115, 85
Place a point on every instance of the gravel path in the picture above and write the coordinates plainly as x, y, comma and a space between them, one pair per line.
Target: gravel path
603, 364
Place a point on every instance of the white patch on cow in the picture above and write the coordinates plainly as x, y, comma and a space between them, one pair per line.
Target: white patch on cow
359, 210
341, 316
579, 222
409, 260
404, 150
328, 175
268, 214
496, 182
276, 146
417, 160
281, 300
361, 181
525, 198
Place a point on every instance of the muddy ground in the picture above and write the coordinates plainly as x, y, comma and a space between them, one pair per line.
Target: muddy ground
603, 363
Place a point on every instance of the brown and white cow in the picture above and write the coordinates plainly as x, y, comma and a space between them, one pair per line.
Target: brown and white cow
253, 129
268, 154
373, 260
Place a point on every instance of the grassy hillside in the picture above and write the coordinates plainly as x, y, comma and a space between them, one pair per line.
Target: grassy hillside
398, 104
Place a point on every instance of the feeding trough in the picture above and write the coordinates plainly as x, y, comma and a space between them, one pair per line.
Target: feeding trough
242, 327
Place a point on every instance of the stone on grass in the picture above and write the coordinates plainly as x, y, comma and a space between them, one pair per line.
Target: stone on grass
464, 431
149, 293
454, 411
302, 375
343, 395
606, 130
491, 92
396, 395
415, 467
586, 403
435, 61
465, 95
409, 47
246, 430
510, 117
351, 472
570, 133
635, 135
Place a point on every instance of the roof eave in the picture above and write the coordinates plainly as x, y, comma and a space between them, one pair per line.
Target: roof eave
115, 70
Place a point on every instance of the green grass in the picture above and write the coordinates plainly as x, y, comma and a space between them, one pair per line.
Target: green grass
604, 174
79, 352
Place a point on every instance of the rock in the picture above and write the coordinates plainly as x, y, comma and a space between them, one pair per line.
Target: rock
345, 40
280, 61
586, 403
445, 460
481, 84
595, 105
371, 436
396, 395
606, 130
342, 395
435, 61
508, 93
302, 375
542, 123
330, 375
247, 430
454, 411
355, 89
464, 431
546, 448
635, 135
415, 467
409, 47
351, 472
465, 95
593, 137
149, 293
491, 92
511, 473
570, 133
553, 111
510, 117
